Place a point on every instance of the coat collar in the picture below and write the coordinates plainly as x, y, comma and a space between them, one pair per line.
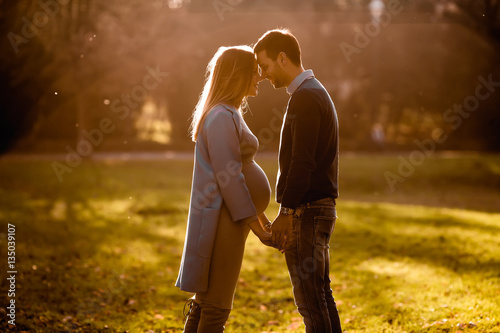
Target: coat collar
229, 107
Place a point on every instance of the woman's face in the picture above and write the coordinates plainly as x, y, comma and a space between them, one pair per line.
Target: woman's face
256, 78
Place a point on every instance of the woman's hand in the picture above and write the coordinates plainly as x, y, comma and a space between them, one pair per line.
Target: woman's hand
264, 236
265, 223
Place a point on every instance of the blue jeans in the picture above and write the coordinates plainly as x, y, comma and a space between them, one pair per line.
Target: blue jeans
308, 260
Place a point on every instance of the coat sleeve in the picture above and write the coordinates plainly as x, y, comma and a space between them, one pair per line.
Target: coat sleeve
225, 157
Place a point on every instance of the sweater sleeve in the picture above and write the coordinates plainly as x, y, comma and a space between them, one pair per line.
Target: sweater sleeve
305, 120
225, 157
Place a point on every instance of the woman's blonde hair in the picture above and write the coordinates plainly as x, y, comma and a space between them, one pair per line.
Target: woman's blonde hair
228, 79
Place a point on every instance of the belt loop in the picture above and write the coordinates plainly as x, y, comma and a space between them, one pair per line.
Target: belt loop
298, 211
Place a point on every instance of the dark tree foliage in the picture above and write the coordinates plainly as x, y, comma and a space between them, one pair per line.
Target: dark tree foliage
40, 43
481, 15
22, 82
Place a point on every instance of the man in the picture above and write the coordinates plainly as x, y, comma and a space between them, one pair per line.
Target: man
307, 183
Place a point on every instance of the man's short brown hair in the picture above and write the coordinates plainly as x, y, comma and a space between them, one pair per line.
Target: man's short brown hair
279, 40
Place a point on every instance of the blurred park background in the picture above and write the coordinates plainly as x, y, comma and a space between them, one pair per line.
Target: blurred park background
96, 162
395, 69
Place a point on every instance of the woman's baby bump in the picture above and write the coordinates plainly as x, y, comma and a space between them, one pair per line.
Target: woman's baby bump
258, 185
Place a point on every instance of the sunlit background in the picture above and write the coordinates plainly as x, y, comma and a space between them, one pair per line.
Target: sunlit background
395, 70
96, 161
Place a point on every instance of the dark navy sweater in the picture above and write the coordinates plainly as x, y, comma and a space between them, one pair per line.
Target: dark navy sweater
309, 147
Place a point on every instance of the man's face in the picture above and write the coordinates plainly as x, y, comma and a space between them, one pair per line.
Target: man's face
271, 70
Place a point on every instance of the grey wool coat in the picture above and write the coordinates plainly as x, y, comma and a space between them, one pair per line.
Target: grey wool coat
217, 179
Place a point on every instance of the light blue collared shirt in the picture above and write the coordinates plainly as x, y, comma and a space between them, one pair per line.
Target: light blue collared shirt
298, 80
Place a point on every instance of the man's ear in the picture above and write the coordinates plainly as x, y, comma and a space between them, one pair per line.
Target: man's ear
282, 59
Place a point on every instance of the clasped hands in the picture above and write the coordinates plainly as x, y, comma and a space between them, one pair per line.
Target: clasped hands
272, 234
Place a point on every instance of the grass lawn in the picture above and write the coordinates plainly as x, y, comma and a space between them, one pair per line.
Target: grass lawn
100, 251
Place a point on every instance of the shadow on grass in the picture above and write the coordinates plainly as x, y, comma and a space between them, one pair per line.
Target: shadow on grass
438, 239
85, 265
87, 254
401, 257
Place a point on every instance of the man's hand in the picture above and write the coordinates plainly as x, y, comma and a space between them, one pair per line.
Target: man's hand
280, 229
266, 239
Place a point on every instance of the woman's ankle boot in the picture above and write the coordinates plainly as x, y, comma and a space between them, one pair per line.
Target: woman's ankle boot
193, 317
213, 319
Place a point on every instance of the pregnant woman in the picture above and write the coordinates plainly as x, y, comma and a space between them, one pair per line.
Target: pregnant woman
229, 192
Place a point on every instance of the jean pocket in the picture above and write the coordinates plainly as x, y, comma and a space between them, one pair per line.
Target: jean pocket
323, 229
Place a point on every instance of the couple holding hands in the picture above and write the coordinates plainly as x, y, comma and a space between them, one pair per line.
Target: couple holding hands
230, 192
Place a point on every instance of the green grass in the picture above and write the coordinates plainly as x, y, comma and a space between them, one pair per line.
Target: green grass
101, 250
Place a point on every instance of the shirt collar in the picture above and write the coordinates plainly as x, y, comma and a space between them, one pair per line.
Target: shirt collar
299, 79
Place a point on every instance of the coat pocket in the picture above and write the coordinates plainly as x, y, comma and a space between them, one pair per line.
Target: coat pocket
208, 230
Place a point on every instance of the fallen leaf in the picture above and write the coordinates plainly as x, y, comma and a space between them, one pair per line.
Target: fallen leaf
294, 326
242, 282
